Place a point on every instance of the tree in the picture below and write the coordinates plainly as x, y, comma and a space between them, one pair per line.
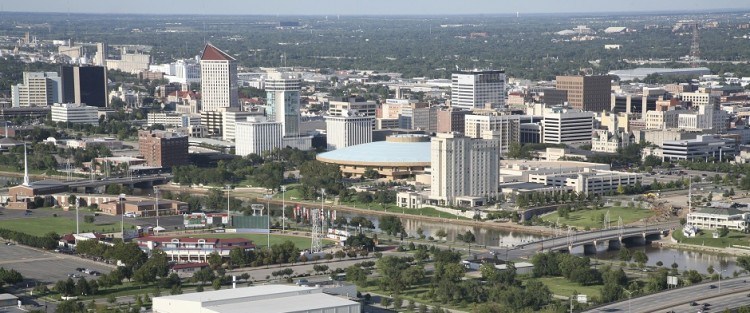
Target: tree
216, 284
640, 257
441, 233
391, 224
357, 275
385, 302
340, 254
88, 219
214, 260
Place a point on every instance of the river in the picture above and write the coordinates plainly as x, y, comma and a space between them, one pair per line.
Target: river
686, 260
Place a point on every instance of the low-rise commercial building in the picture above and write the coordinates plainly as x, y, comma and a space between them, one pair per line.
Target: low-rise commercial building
189, 249
714, 218
75, 113
266, 299
704, 147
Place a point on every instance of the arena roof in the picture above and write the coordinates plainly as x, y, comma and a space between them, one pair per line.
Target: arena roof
381, 153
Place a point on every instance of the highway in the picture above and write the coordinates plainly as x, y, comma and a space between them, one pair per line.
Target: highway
123, 180
732, 294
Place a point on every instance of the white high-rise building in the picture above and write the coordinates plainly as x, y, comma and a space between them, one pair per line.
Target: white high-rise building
37, 89
257, 135
464, 169
348, 130
230, 118
283, 100
568, 126
508, 128
75, 113
219, 87
100, 59
478, 89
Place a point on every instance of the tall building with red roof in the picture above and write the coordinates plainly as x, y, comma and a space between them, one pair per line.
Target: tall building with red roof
218, 79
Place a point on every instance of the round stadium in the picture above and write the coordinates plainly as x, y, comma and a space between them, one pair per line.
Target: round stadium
398, 157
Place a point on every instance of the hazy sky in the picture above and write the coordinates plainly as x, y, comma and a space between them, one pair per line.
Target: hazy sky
363, 7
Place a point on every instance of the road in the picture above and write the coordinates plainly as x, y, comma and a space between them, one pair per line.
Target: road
732, 294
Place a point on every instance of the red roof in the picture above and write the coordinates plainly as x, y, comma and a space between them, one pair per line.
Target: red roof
212, 53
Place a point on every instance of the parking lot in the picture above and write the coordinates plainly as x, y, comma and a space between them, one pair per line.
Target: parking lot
42, 266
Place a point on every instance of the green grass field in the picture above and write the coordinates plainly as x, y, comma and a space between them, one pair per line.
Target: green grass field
61, 225
261, 240
590, 218
563, 287
705, 238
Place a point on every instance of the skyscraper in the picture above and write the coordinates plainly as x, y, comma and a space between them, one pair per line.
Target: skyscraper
587, 93
478, 89
219, 87
85, 85
283, 96
464, 167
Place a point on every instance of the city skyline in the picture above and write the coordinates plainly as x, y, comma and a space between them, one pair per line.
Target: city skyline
384, 7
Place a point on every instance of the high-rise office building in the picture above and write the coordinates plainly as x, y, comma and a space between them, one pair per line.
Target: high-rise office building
349, 129
508, 128
478, 89
37, 89
163, 148
85, 85
219, 87
567, 126
451, 120
464, 168
257, 135
587, 93
283, 99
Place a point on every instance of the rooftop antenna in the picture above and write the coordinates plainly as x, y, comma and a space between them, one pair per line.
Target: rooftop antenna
25, 166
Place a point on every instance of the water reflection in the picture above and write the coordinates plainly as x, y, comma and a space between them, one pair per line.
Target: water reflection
687, 260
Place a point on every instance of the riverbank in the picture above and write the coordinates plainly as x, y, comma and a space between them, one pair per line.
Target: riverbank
668, 243
507, 226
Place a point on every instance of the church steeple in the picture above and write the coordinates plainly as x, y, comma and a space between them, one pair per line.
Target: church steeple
25, 166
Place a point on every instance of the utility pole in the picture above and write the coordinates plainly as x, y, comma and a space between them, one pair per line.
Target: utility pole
121, 199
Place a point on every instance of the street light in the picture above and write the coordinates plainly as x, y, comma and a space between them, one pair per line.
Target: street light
228, 214
283, 209
268, 221
156, 207
629, 293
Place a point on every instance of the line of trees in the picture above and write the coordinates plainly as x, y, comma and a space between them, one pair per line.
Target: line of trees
48, 241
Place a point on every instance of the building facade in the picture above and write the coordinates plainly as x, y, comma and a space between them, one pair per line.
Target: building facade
703, 147
85, 84
463, 168
348, 130
587, 93
478, 89
508, 128
567, 126
229, 120
256, 136
219, 87
715, 218
162, 148
283, 101
37, 89
75, 113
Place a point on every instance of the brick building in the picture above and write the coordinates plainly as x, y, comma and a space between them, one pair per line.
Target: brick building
163, 149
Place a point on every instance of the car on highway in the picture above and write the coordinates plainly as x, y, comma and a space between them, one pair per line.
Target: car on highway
712, 287
693, 303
